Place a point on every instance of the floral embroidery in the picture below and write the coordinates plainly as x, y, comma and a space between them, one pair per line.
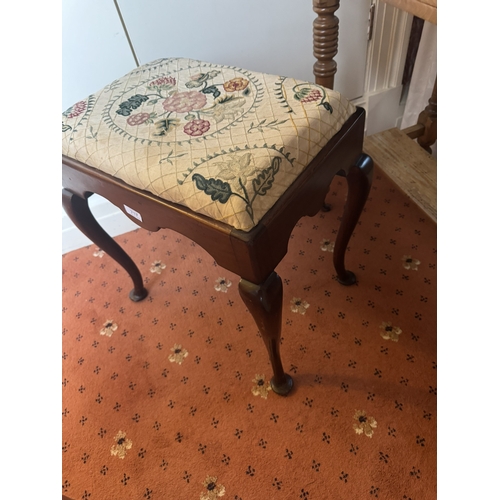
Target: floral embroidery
157, 266
298, 305
163, 83
327, 245
238, 170
235, 84
76, 110
312, 96
98, 253
409, 263
122, 445
213, 490
184, 102
190, 104
390, 332
163, 126
178, 354
108, 328
222, 284
305, 93
140, 118
364, 424
227, 107
260, 126
196, 128
261, 387
200, 78
125, 108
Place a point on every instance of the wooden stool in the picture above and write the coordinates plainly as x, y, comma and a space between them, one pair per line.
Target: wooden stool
228, 157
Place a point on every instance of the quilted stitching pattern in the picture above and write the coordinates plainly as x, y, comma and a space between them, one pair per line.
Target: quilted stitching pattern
223, 141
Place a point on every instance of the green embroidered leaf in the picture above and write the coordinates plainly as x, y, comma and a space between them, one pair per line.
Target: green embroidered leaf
264, 181
226, 98
163, 126
327, 106
125, 108
65, 128
215, 188
301, 94
211, 90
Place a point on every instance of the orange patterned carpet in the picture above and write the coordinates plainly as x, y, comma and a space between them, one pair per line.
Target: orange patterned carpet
169, 399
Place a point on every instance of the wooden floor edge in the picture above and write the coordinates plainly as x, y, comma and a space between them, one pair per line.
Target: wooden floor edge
411, 169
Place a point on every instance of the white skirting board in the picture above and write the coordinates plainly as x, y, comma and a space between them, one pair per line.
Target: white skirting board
112, 220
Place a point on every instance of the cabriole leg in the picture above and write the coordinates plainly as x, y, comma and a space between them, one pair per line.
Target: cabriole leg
78, 211
265, 303
359, 181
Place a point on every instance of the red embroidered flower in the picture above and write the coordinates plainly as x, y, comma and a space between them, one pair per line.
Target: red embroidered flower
196, 128
235, 84
78, 109
164, 81
138, 119
314, 95
184, 102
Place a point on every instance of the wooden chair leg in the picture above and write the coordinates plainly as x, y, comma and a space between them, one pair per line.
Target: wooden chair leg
265, 303
359, 181
79, 212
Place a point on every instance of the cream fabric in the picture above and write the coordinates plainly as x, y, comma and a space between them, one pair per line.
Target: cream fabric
223, 141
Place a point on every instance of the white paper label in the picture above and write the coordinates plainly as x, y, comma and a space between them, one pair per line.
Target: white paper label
133, 213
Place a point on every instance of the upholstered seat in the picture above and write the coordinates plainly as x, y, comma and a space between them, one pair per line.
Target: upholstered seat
223, 141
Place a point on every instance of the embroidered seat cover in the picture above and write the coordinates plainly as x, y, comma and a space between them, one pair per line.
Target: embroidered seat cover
224, 141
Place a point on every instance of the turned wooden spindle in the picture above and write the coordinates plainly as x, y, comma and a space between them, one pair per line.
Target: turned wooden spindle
326, 38
428, 118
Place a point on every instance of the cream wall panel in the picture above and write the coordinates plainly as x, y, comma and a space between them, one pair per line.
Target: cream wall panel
95, 50
270, 36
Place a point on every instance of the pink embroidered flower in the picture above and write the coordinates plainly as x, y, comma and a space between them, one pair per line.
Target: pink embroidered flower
312, 96
78, 109
138, 119
184, 102
235, 84
196, 128
164, 81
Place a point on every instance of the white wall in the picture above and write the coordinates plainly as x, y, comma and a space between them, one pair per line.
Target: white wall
273, 36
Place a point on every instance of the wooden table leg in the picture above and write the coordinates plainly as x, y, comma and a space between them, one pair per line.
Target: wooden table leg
359, 181
265, 303
79, 212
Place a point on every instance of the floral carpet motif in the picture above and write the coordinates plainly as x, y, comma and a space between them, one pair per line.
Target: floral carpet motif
169, 398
